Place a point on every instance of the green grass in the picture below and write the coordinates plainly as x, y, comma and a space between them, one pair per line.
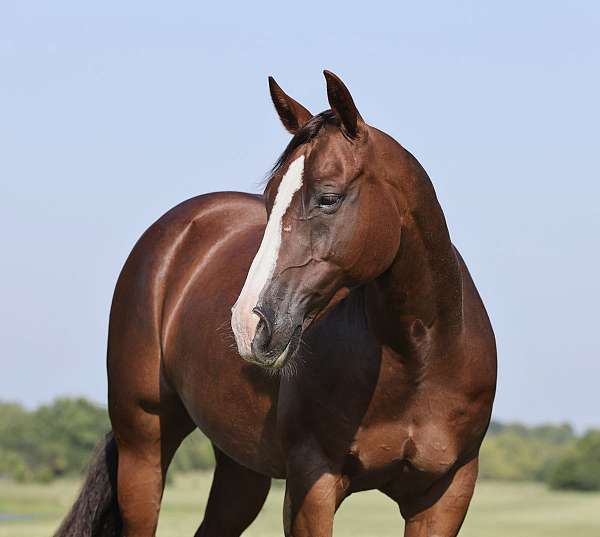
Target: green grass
498, 509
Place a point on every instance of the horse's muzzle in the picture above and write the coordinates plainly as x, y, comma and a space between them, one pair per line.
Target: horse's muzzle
276, 339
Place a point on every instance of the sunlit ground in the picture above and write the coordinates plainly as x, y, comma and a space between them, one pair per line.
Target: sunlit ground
498, 509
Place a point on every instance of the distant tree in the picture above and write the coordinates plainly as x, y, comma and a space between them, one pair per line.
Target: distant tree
14, 432
53, 440
517, 452
195, 453
58, 439
68, 430
579, 469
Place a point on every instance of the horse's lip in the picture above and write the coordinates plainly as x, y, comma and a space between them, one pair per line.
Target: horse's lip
290, 348
293, 343
282, 358
286, 354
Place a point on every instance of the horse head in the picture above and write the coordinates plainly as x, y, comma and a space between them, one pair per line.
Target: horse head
334, 223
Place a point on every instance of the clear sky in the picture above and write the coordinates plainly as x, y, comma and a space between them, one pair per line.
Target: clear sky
113, 112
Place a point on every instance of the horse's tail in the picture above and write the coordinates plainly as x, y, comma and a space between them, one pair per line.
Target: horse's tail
95, 513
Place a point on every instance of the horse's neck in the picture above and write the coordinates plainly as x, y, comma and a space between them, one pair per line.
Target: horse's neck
423, 287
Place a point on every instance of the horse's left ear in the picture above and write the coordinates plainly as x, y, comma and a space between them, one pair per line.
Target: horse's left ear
342, 104
292, 114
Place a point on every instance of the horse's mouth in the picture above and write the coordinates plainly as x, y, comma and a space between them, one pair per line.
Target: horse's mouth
278, 361
289, 351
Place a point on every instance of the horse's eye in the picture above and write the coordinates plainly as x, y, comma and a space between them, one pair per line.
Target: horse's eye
329, 200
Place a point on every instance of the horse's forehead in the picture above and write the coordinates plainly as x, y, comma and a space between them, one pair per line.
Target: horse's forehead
326, 166
330, 158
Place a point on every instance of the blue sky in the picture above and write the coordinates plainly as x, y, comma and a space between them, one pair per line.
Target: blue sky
112, 112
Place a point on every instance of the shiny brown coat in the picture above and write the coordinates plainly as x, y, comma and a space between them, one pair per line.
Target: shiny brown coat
391, 387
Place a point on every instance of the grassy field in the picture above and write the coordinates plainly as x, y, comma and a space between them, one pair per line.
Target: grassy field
498, 509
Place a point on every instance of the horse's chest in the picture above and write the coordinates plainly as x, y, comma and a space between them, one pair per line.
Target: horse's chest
378, 418
387, 451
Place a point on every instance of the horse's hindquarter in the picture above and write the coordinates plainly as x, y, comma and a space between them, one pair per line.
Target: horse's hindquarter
178, 286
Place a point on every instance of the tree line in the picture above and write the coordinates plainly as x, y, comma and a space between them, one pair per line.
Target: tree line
57, 439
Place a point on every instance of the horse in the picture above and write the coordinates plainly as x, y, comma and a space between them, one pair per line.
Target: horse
327, 333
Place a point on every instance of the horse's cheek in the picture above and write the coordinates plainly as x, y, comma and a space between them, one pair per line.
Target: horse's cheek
382, 237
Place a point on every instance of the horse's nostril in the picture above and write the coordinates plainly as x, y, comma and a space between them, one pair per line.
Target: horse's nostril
262, 337
263, 328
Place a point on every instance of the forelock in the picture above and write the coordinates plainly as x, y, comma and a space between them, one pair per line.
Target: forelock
309, 131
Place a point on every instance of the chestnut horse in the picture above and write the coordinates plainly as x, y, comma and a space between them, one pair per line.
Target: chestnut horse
327, 333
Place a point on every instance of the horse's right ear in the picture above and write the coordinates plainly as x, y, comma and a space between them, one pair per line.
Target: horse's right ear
292, 114
342, 104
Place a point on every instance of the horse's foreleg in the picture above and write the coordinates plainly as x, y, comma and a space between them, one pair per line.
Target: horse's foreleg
313, 493
442, 511
236, 496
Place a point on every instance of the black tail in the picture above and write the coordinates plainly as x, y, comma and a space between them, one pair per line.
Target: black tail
96, 512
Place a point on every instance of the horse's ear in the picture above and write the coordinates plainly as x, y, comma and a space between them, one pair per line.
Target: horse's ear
342, 104
292, 114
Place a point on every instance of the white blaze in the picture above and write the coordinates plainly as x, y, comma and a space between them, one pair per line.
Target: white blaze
243, 319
